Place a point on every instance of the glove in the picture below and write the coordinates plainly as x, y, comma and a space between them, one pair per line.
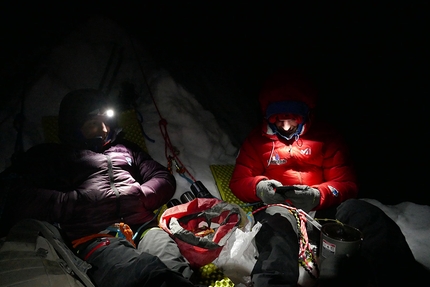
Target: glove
302, 196
266, 191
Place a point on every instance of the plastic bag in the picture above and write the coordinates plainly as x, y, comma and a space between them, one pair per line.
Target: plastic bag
239, 254
201, 227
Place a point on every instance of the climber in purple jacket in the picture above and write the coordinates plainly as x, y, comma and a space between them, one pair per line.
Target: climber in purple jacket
101, 191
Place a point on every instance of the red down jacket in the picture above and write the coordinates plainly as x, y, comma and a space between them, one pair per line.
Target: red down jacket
318, 157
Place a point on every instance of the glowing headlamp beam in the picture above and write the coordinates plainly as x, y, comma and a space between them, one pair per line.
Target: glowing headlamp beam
109, 113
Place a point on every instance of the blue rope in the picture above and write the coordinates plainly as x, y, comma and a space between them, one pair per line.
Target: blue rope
141, 125
145, 224
188, 179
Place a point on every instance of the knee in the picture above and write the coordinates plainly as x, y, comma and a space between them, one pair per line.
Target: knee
157, 235
278, 219
358, 212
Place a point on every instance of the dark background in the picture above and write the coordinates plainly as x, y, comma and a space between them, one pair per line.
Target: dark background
368, 60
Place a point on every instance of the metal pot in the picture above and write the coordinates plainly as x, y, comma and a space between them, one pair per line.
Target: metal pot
339, 239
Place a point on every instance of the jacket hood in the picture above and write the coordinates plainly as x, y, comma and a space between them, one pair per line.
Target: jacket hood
288, 92
75, 108
284, 90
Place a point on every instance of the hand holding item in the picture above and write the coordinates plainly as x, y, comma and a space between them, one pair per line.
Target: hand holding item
266, 191
301, 196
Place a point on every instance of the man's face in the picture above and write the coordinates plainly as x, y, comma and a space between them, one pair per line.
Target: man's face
287, 124
95, 127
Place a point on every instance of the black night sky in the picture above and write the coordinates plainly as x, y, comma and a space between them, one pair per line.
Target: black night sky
369, 61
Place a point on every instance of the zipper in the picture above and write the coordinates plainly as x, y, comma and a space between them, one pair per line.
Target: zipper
112, 185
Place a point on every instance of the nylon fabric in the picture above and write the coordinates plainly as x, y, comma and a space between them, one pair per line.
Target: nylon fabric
33, 254
119, 264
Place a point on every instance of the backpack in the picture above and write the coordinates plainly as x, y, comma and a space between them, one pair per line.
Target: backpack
34, 254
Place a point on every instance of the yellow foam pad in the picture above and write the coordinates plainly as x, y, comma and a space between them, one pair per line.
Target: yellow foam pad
50, 129
222, 175
132, 128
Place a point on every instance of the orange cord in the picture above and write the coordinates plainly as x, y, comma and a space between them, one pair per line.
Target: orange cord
84, 239
128, 233
123, 227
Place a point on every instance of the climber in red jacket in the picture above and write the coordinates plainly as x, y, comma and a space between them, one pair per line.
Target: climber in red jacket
293, 149
293, 161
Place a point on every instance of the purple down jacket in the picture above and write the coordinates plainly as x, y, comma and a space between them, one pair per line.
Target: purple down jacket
83, 191
79, 189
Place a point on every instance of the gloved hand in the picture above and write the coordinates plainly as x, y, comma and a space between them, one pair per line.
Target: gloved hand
266, 191
302, 196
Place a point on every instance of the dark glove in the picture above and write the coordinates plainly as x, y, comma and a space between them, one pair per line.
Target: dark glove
266, 191
302, 196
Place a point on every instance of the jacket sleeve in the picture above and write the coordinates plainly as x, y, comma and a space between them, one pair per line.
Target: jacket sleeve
158, 184
339, 175
247, 173
22, 199
31, 187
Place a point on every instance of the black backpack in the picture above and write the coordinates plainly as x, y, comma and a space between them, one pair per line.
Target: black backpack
34, 254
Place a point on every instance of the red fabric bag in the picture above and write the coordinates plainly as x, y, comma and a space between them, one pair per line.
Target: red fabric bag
201, 227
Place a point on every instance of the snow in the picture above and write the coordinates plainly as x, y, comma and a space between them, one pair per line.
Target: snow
79, 61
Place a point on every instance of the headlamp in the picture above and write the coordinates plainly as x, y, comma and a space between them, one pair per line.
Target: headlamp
109, 113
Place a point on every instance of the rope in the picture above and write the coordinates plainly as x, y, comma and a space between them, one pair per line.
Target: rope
163, 128
135, 236
141, 126
168, 146
306, 253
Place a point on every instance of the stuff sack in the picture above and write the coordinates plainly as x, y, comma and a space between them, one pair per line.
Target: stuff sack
201, 227
34, 254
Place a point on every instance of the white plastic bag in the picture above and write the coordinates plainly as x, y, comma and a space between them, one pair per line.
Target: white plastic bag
238, 256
